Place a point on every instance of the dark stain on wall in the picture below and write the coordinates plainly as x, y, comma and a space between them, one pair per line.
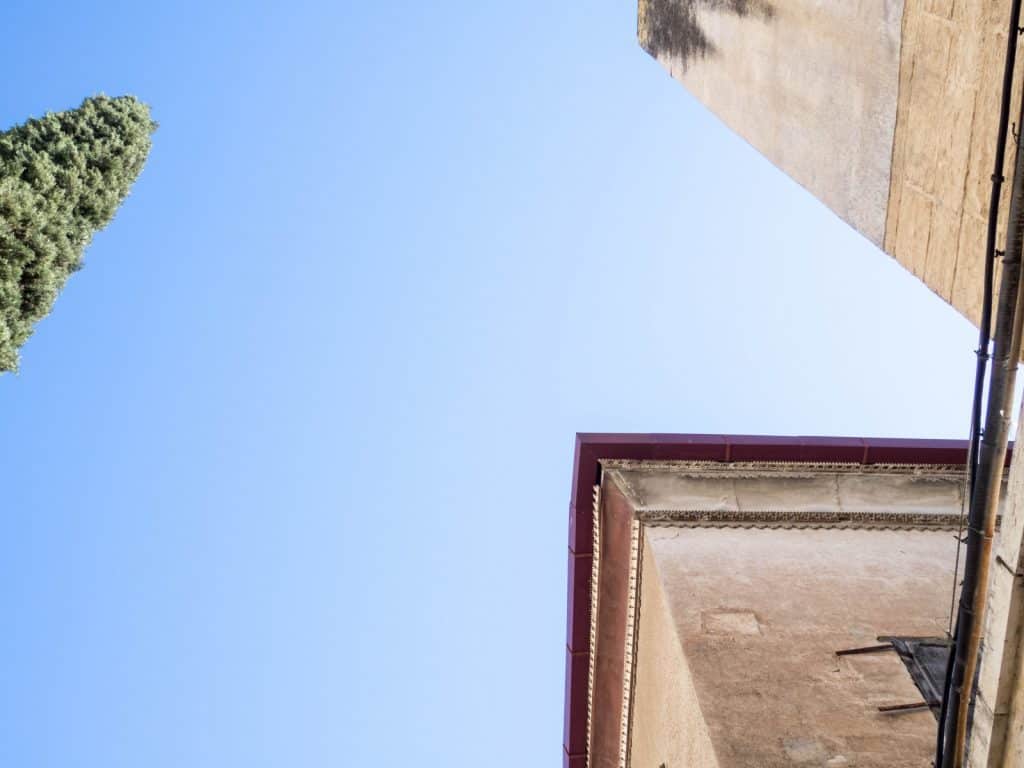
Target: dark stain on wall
672, 31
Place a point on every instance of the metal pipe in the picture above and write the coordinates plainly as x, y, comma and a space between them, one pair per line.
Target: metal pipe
986, 491
984, 326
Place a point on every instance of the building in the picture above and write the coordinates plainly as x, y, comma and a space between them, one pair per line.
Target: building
718, 584
728, 597
885, 110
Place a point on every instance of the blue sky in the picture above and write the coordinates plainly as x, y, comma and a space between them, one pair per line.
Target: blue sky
288, 467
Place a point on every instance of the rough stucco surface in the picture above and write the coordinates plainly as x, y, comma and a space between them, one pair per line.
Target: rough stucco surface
951, 68
667, 726
759, 614
811, 84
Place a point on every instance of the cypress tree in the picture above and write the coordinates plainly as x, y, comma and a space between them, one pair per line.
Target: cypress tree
62, 178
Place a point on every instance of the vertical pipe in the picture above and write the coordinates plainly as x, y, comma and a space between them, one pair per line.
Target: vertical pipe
984, 329
985, 493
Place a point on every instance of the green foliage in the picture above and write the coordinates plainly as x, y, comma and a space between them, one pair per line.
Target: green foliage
62, 178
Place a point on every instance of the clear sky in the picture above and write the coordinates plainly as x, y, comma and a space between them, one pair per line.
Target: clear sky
287, 470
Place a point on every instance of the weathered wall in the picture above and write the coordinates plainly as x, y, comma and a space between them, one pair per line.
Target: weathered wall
886, 110
667, 725
997, 732
951, 68
759, 614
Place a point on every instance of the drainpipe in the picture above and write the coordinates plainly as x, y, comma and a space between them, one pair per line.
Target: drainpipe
985, 493
985, 326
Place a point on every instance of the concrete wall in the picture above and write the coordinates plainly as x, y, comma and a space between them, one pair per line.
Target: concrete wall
885, 110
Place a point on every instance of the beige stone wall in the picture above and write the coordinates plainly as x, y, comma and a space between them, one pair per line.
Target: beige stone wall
667, 726
885, 110
997, 734
951, 66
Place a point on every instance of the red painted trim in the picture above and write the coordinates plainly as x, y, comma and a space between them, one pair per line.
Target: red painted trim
579, 601
577, 669
591, 448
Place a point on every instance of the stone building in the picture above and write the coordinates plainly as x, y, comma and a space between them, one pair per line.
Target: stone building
746, 602
733, 600
885, 110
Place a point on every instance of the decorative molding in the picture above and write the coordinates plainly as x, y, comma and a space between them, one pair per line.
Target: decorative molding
632, 615
594, 575
820, 494
791, 519
795, 469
